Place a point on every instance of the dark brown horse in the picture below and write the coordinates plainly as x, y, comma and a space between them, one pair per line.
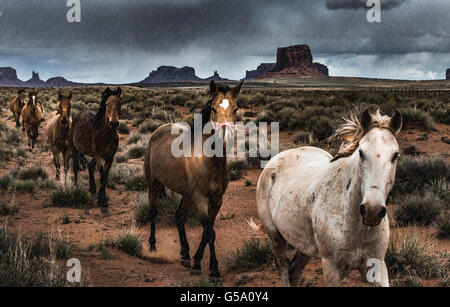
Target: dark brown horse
32, 115
95, 135
16, 105
59, 125
202, 181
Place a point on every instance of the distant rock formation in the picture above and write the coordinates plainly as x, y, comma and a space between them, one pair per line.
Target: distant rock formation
215, 77
60, 82
35, 80
8, 77
260, 70
166, 74
447, 74
293, 61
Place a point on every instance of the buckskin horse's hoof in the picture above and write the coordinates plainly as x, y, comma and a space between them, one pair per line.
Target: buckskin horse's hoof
186, 263
104, 210
196, 272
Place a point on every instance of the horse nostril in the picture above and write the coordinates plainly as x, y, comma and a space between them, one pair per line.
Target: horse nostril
362, 210
382, 213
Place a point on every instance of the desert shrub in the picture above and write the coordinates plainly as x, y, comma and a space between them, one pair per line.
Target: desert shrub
418, 209
136, 152
32, 173
237, 168
10, 208
414, 174
63, 249
123, 128
129, 243
134, 138
5, 182
411, 151
13, 138
303, 137
121, 159
24, 186
410, 253
285, 117
71, 196
253, 254
417, 118
443, 224
149, 126
136, 183
321, 127
26, 263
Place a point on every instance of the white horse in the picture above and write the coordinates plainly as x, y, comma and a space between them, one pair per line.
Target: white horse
332, 208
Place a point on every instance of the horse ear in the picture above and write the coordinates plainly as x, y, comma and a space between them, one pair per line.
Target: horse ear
108, 91
237, 89
213, 88
396, 122
70, 96
366, 119
60, 96
118, 91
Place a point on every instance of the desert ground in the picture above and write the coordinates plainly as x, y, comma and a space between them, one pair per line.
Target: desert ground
95, 239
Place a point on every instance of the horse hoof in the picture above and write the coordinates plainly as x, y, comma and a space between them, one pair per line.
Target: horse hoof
186, 263
152, 249
104, 210
196, 272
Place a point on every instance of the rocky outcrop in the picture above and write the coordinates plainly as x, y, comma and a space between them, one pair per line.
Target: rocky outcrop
293, 61
60, 82
215, 77
35, 81
166, 74
447, 75
8, 77
259, 71
323, 69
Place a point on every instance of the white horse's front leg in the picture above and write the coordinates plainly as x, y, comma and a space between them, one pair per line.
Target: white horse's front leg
331, 273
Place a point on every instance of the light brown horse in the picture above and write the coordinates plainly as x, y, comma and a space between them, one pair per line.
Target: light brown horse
95, 135
202, 181
32, 115
16, 105
59, 128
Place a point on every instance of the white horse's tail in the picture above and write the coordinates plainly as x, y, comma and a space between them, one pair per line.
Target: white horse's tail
258, 230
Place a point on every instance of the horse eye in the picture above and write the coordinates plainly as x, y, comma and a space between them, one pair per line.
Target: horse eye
395, 157
215, 111
361, 154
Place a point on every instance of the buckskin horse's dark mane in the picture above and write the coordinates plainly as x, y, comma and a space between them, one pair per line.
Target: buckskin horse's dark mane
102, 110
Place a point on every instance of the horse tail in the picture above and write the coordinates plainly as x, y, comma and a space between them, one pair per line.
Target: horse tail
258, 230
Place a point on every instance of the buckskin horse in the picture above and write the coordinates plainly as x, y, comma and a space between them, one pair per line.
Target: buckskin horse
95, 135
332, 208
16, 105
59, 125
32, 116
201, 180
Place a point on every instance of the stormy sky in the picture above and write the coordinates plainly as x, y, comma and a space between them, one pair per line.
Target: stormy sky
121, 41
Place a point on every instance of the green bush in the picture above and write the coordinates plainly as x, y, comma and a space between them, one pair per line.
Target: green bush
32, 173
136, 183
136, 152
443, 224
123, 128
71, 196
418, 209
252, 255
417, 117
8, 208
130, 244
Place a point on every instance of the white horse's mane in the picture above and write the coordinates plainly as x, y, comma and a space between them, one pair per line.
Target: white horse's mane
351, 131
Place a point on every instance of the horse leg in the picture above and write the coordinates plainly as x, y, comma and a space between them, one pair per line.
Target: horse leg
202, 208
155, 190
214, 275
66, 157
331, 273
278, 246
91, 168
296, 267
16, 116
76, 165
102, 201
180, 218
57, 162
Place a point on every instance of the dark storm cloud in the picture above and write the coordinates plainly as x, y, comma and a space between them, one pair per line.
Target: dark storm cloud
361, 4
125, 39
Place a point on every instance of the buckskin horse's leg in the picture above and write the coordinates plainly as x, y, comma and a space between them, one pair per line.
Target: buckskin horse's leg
57, 162
155, 190
202, 208
181, 217
214, 275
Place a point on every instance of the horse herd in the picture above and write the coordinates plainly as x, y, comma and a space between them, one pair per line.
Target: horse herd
332, 208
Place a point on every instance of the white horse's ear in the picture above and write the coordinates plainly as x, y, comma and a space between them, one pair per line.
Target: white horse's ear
396, 122
366, 119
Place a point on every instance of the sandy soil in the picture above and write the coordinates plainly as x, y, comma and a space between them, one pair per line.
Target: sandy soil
162, 268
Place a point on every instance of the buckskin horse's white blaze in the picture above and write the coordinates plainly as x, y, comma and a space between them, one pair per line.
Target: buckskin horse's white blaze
332, 208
